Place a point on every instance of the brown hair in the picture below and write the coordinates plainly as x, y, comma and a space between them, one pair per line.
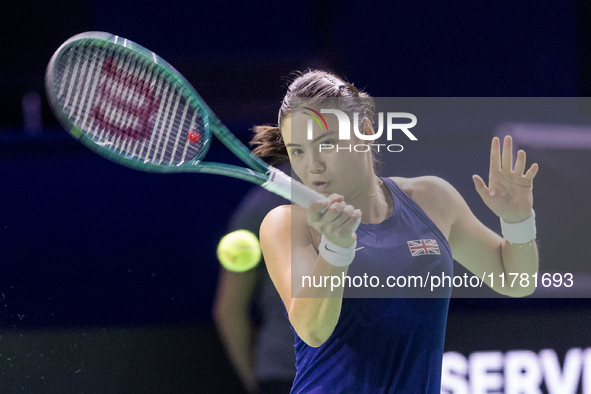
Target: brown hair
267, 140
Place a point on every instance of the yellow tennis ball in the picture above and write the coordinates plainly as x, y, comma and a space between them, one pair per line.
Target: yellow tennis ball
239, 251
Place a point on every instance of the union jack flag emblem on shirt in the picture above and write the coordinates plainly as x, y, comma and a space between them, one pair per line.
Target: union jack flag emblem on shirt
423, 246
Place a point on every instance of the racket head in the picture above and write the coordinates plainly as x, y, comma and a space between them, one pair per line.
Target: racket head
128, 104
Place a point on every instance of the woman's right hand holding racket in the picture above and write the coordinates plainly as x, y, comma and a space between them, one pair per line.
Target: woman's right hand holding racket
336, 220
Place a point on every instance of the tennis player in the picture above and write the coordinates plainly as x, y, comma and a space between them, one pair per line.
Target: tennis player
381, 345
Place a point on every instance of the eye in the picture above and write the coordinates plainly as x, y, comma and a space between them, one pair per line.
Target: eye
296, 151
330, 142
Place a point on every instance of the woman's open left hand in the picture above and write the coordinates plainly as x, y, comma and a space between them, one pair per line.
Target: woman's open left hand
509, 191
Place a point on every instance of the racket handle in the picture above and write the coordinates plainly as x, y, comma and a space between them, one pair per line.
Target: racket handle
287, 187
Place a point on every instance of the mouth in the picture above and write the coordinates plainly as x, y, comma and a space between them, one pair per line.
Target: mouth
320, 185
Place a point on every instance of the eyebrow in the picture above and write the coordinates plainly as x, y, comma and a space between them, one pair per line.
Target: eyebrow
315, 139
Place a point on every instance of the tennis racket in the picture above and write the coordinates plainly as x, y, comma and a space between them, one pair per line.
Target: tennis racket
129, 105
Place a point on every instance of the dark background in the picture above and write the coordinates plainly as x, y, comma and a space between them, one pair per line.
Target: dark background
107, 275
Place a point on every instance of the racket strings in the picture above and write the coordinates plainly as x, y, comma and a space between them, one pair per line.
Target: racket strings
128, 103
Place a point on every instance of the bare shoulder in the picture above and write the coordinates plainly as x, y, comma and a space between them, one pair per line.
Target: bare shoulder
287, 223
277, 219
425, 187
283, 219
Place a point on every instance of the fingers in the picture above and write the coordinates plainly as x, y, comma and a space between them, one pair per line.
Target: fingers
319, 207
335, 211
481, 187
520, 167
531, 173
495, 155
520, 163
507, 161
339, 219
357, 217
336, 219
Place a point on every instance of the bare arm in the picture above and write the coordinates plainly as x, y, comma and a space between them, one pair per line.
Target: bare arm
287, 232
509, 196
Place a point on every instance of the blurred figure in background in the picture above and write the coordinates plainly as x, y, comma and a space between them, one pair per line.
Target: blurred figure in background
249, 315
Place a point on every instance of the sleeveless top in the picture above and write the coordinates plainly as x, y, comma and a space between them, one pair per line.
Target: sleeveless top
393, 341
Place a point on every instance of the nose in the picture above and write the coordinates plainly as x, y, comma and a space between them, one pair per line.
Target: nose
316, 164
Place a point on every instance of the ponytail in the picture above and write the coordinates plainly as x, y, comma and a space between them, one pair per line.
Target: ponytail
267, 142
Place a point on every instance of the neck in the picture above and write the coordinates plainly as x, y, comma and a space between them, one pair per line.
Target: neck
374, 202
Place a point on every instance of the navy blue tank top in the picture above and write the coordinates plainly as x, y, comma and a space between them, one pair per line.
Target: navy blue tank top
392, 342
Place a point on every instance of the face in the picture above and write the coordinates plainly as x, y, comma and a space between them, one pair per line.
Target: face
319, 164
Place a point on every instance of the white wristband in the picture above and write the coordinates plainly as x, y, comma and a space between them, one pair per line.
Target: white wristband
334, 254
522, 232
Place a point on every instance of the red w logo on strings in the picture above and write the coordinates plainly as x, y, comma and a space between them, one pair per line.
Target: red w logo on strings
132, 103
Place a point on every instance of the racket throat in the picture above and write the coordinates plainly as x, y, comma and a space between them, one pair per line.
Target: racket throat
288, 188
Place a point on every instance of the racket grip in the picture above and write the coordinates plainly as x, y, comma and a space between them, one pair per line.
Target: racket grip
282, 184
